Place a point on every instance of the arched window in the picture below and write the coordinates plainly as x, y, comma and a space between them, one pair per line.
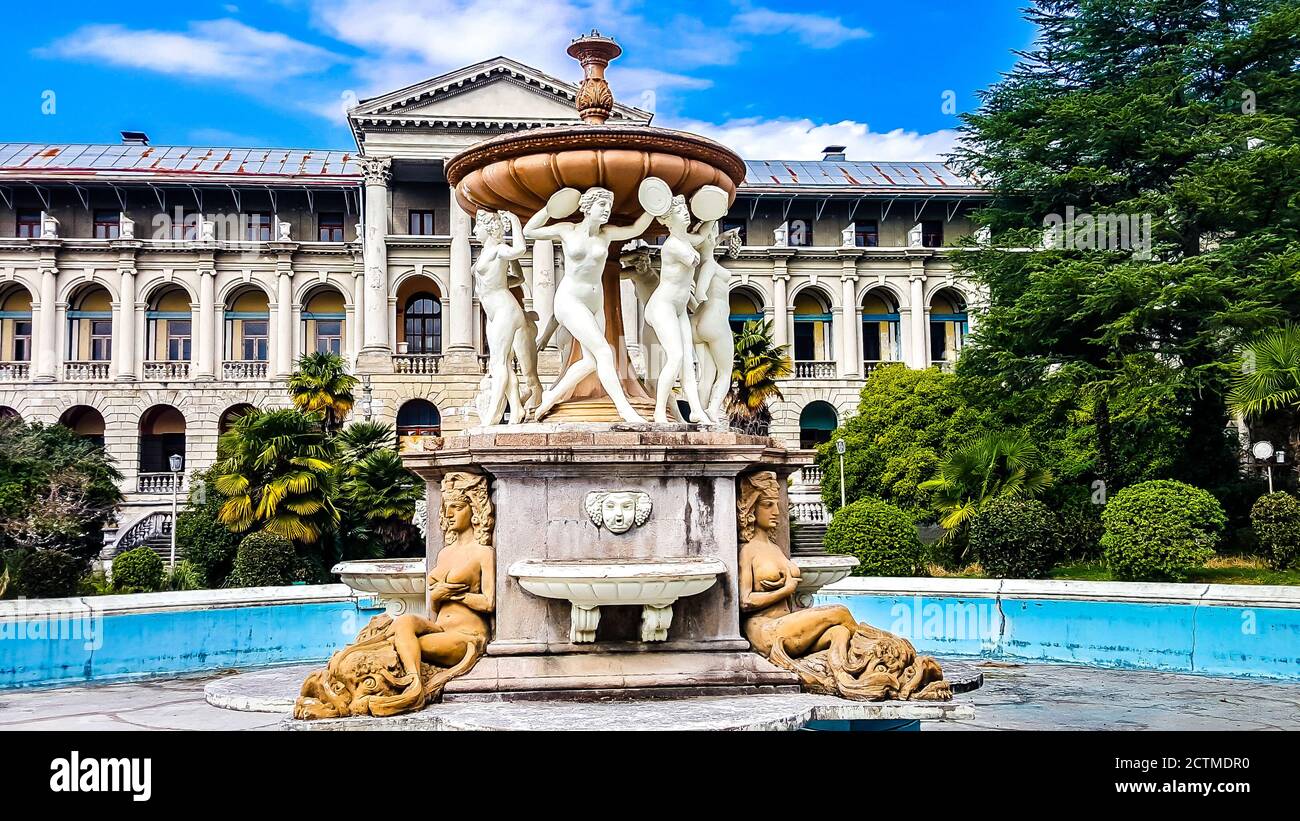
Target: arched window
812, 328
948, 327
744, 308
169, 326
880, 330
86, 421
90, 328
323, 322
816, 423
231, 414
162, 435
423, 324
7, 412
418, 417
15, 332
248, 338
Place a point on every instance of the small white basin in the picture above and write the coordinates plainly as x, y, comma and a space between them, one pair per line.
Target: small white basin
815, 572
588, 584
398, 583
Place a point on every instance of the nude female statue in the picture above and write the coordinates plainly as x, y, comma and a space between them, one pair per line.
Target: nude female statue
398, 665
580, 298
831, 652
666, 312
715, 346
505, 315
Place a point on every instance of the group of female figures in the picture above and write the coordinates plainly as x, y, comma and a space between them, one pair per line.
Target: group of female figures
685, 307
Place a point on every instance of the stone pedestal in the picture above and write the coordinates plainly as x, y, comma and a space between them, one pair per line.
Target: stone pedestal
541, 475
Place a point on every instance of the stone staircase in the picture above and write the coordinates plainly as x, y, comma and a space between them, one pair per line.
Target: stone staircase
808, 537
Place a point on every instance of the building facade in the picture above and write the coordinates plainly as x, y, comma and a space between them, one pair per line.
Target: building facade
149, 294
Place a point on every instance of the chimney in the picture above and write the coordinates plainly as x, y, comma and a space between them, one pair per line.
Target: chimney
135, 138
833, 153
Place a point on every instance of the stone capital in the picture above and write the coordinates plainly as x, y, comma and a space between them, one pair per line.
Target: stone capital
377, 170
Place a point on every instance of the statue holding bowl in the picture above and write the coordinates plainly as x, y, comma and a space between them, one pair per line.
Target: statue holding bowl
505, 315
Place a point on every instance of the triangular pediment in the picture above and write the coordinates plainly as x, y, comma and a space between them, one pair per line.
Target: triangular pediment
499, 90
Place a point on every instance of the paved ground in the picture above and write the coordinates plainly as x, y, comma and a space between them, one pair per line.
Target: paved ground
1029, 697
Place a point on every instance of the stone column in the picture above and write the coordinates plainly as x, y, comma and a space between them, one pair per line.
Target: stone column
374, 350
850, 326
124, 328
544, 284
461, 298
920, 353
47, 327
207, 331
284, 323
356, 331
781, 306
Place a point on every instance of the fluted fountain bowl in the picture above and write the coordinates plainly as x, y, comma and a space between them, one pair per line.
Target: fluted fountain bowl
520, 172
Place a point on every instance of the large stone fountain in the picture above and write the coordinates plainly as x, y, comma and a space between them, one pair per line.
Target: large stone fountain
605, 544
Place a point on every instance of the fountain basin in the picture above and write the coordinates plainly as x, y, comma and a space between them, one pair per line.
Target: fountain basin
815, 572
590, 584
399, 584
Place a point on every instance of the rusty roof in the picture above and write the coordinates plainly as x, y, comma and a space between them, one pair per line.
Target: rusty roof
793, 175
119, 161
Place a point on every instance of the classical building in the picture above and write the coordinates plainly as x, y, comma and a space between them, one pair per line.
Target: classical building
150, 294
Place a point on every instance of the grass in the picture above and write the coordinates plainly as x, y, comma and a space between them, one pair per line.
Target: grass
1219, 570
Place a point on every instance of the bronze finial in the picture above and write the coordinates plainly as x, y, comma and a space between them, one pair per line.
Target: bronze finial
594, 52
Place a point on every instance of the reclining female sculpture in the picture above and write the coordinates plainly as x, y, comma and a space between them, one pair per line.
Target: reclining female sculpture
579, 297
397, 665
825, 646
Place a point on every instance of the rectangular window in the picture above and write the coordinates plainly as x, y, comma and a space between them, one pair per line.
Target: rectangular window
107, 224
178, 340
871, 341
255, 344
259, 226
867, 234
101, 340
22, 341
805, 344
742, 224
187, 229
29, 224
329, 336
421, 223
932, 233
329, 227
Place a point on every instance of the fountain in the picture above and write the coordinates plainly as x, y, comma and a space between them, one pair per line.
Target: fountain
582, 552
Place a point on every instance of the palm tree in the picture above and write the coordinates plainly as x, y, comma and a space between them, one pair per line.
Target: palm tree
758, 364
360, 439
276, 470
377, 494
992, 467
323, 385
1270, 380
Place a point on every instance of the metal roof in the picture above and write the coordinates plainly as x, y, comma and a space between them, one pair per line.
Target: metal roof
852, 174
118, 160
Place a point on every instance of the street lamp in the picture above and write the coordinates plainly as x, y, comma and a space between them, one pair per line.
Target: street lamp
176, 463
1263, 451
367, 406
840, 447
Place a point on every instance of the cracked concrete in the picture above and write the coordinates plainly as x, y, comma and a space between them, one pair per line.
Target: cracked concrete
1014, 697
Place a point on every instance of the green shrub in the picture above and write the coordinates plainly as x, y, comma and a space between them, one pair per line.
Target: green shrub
49, 574
184, 576
1016, 539
265, 560
1275, 518
1160, 530
882, 537
1080, 529
138, 570
204, 541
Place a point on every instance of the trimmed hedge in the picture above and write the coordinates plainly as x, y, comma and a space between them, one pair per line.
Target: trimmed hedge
49, 574
1016, 539
138, 570
265, 560
1160, 530
1275, 518
882, 537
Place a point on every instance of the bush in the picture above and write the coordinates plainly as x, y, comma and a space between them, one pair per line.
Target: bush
184, 576
1160, 530
49, 574
138, 570
1079, 526
1275, 518
882, 537
205, 542
1016, 539
265, 560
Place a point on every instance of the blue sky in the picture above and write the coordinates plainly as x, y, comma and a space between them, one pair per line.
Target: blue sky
774, 79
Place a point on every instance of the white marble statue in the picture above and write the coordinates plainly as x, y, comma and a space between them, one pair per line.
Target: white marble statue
505, 316
579, 296
666, 312
715, 347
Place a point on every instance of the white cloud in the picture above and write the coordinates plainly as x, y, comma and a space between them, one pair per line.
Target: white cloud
802, 139
208, 49
813, 30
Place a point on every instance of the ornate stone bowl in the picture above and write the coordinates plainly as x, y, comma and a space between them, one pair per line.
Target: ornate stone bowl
398, 583
815, 572
587, 584
519, 172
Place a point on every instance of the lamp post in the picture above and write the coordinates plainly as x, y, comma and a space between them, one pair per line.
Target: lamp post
840, 447
176, 463
1263, 451
367, 406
